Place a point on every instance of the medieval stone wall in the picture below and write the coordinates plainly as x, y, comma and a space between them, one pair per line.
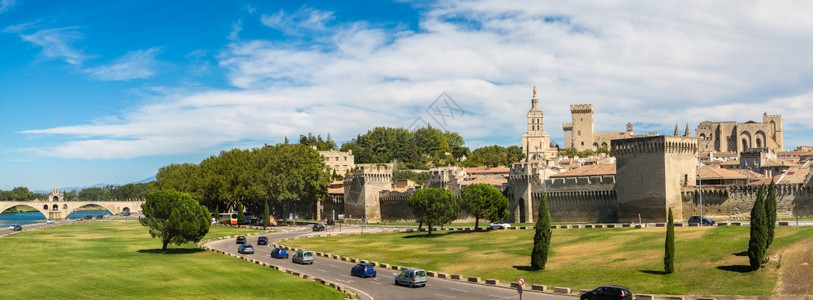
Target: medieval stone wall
735, 202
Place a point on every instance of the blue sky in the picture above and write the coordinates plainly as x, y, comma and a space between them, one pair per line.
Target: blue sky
110, 91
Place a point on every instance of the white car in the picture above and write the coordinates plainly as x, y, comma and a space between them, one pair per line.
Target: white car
49, 221
501, 225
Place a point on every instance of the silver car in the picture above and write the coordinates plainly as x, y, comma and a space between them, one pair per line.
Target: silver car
411, 277
302, 257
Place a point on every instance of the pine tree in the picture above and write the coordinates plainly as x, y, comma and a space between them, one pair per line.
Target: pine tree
539, 255
757, 243
669, 253
770, 213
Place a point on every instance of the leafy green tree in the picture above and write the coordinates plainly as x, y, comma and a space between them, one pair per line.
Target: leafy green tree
434, 206
757, 244
492, 156
266, 215
317, 141
174, 217
180, 177
770, 214
22, 193
542, 236
95, 194
484, 201
669, 251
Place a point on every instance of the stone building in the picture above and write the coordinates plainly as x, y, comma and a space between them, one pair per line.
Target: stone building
362, 189
650, 172
338, 161
736, 137
580, 133
536, 142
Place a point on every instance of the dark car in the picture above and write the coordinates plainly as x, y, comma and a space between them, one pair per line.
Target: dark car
279, 253
262, 240
608, 292
17, 228
363, 270
241, 239
99, 216
318, 227
246, 249
88, 217
696, 220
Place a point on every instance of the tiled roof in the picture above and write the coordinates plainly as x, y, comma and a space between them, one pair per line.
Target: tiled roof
750, 174
779, 163
709, 172
484, 170
589, 170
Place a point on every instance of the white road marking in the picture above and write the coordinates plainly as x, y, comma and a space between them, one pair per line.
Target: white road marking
459, 290
320, 270
373, 282
502, 297
447, 296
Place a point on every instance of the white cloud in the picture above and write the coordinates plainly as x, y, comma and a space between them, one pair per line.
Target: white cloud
236, 27
6, 4
650, 63
139, 64
303, 21
56, 43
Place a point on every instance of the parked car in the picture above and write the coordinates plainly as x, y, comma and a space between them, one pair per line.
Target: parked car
500, 225
49, 221
99, 216
411, 278
696, 220
608, 292
88, 217
11, 227
318, 227
17, 228
241, 239
125, 213
303, 257
263, 240
363, 270
279, 253
246, 249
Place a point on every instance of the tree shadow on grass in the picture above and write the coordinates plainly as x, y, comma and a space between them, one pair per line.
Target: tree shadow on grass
744, 253
172, 251
653, 272
436, 233
736, 268
524, 268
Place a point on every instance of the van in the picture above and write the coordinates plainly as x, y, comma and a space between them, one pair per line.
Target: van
411, 278
303, 257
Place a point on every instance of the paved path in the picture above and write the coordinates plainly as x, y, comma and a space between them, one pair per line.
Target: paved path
382, 286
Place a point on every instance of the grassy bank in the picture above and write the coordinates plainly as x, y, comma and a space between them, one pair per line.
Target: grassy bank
107, 260
708, 260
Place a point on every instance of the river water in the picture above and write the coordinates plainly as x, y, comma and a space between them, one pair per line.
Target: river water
22, 218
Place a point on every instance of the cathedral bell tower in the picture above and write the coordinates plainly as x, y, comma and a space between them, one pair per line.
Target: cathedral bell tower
536, 142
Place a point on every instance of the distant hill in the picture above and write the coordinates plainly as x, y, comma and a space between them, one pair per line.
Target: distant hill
79, 188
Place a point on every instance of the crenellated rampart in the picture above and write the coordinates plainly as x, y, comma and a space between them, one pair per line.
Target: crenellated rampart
735, 202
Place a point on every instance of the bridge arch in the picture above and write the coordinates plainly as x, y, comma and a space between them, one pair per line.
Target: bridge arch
4, 208
61, 209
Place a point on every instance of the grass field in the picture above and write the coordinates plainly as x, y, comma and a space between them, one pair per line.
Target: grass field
709, 260
118, 259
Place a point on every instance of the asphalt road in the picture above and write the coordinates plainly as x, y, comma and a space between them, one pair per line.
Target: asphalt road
382, 286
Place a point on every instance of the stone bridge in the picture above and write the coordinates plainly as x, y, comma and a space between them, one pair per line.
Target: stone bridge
59, 210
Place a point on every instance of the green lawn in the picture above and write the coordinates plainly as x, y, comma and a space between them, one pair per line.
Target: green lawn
708, 260
107, 260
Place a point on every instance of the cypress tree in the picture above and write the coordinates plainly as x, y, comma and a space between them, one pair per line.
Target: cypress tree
542, 236
770, 213
757, 243
240, 215
669, 253
266, 215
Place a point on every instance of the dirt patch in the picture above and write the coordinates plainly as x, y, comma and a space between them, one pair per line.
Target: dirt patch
796, 267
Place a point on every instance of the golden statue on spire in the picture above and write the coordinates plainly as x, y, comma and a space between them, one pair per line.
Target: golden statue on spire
534, 92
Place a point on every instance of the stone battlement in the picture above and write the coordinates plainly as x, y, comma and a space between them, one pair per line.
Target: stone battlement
581, 108
567, 126
655, 144
580, 181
